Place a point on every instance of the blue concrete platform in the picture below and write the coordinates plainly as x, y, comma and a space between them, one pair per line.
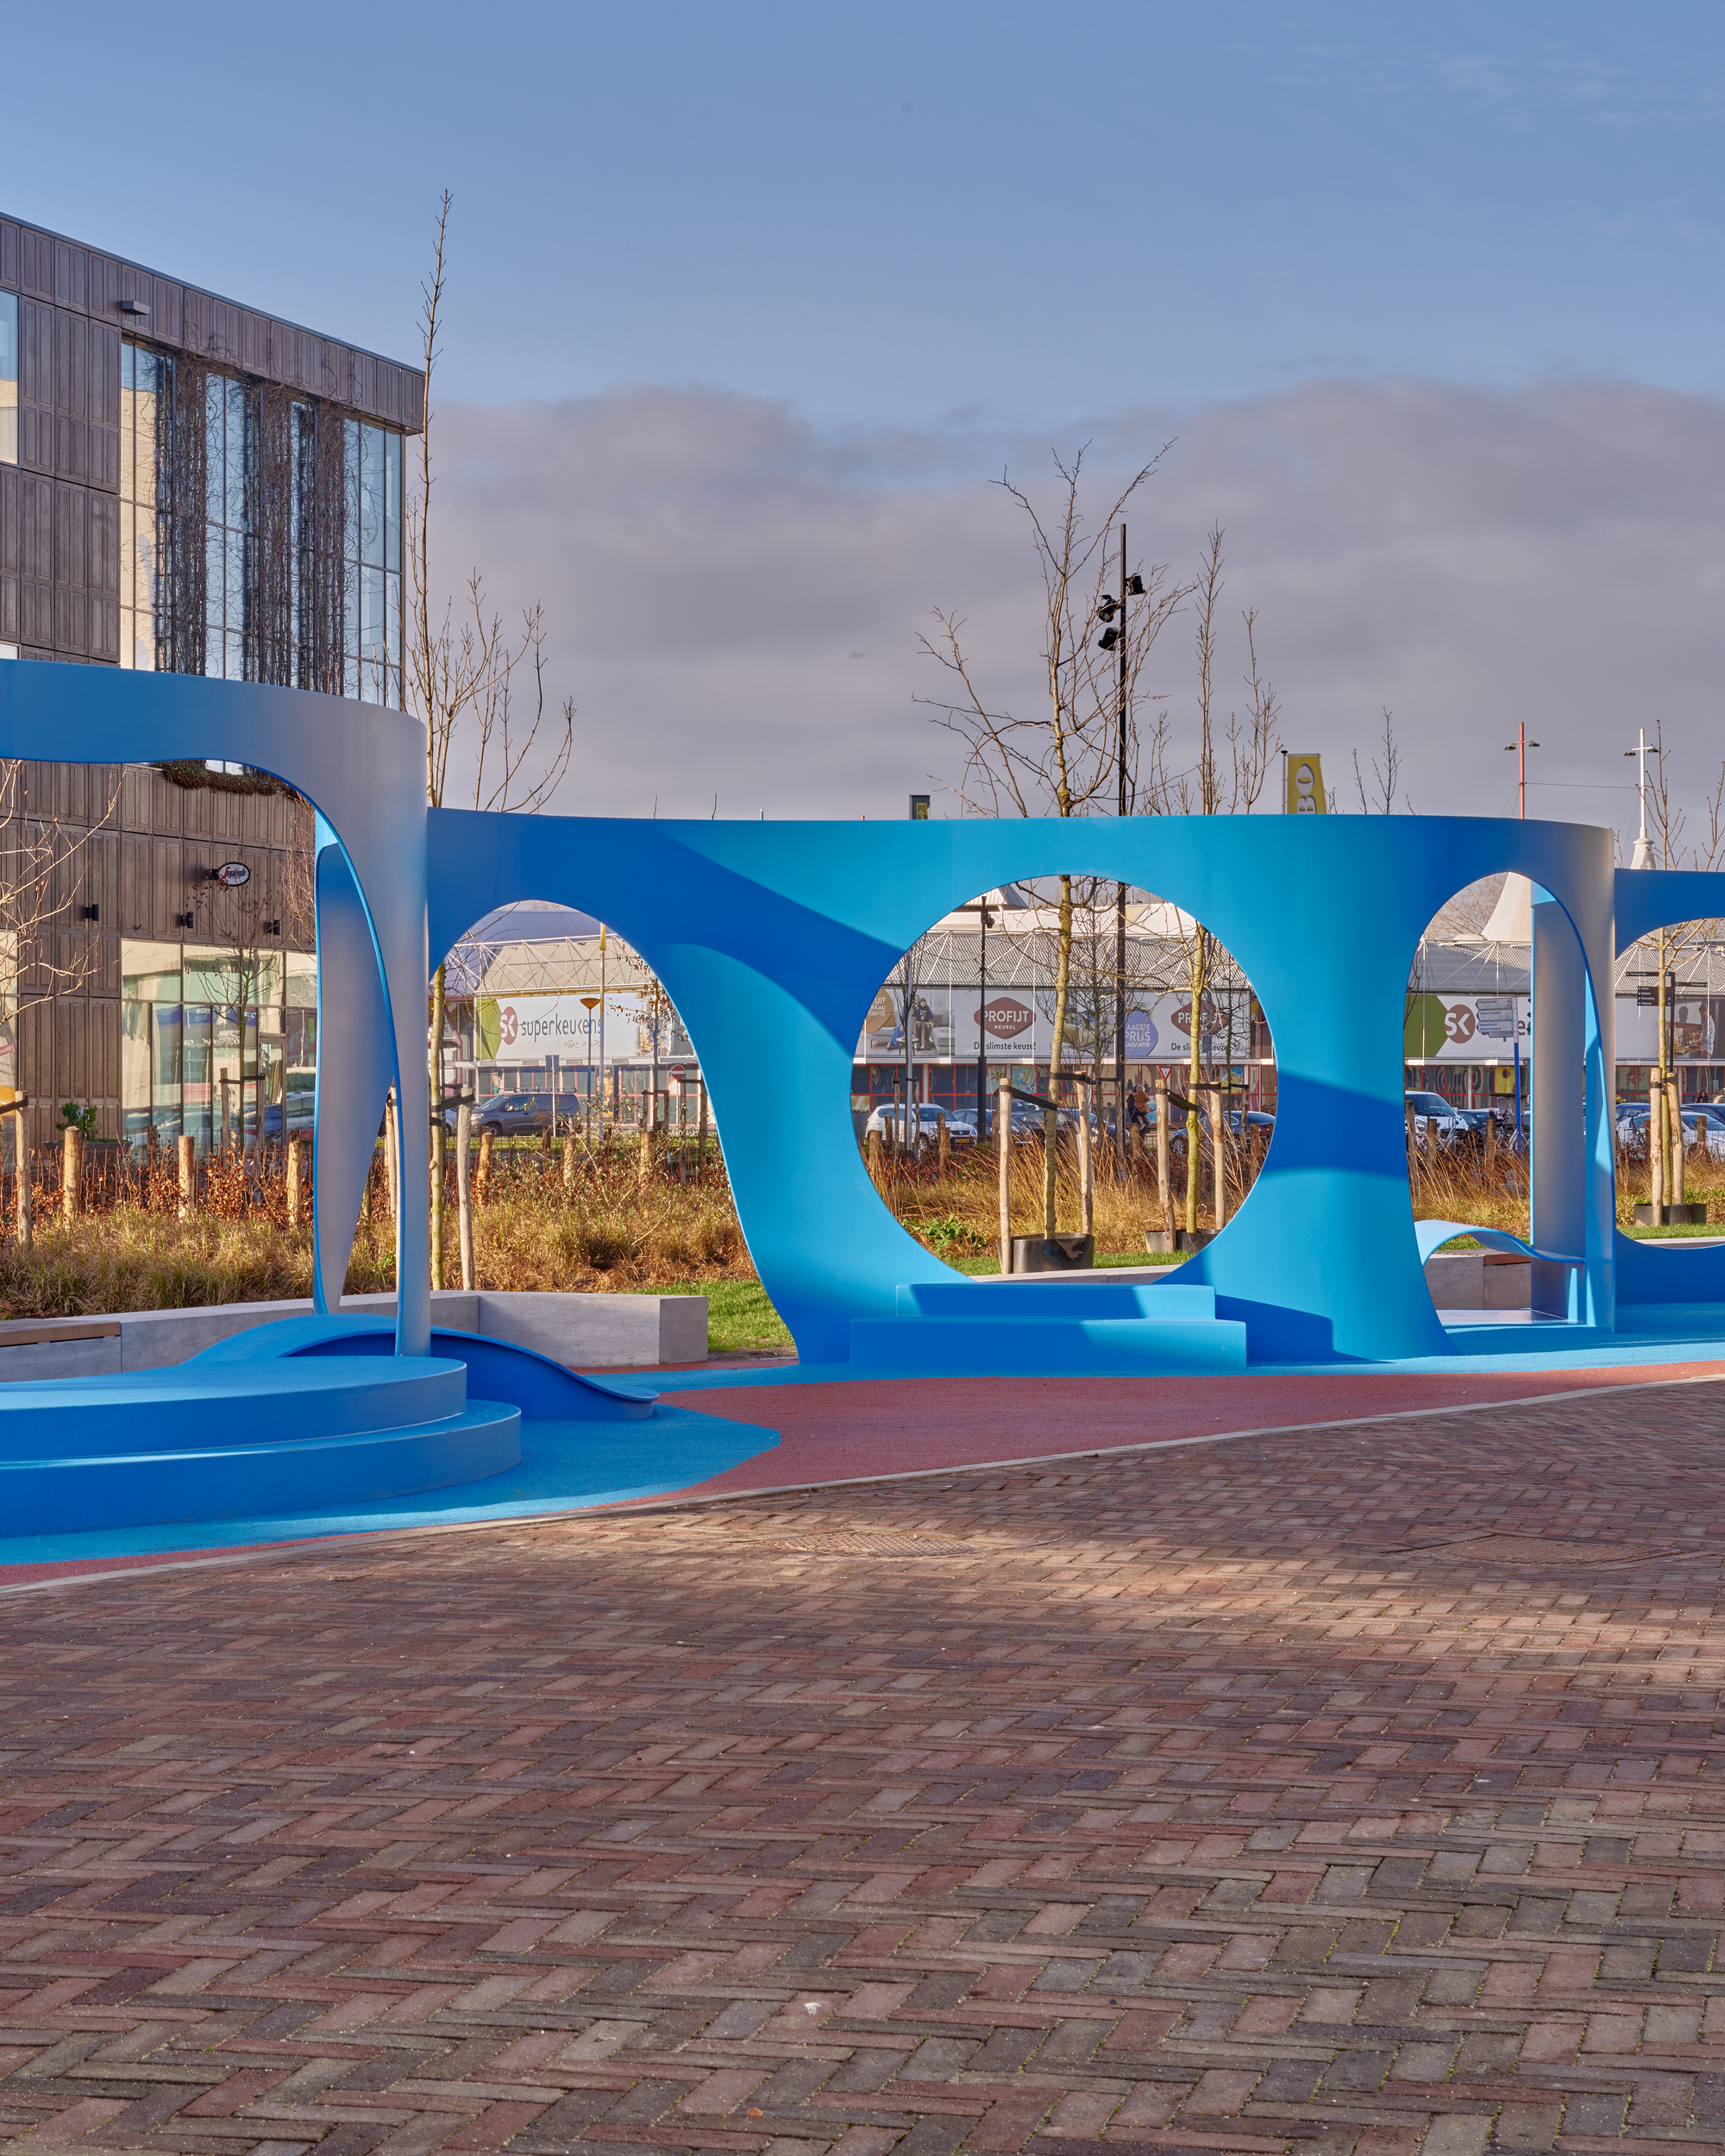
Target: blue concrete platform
564, 1466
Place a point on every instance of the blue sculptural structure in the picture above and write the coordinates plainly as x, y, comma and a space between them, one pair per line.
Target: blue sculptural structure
781, 934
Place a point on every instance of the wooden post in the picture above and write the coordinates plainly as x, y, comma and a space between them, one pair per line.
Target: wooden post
391, 1158
1087, 1175
464, 1199
72, 1162
875, 1165
1657, 1109
1164, 1188
1491, 1147
1413, 1141
700, 1133
1219, 1154
188, 1179
570, 1161
1003, 1148
24, 1195
482, 1182
943, 1151
1679, 1159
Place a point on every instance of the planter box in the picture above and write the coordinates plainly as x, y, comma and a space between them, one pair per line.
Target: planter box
1693, 1216
1053, 1253
1179, 1238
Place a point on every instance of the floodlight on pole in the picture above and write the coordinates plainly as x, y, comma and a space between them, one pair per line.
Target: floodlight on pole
1519, 748
1643, 857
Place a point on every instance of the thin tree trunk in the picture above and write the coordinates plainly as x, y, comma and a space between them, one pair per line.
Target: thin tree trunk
1062, 984
25, 1194
435, 1073
1087, 1175
464, 1204
1164, 1190
1197, 981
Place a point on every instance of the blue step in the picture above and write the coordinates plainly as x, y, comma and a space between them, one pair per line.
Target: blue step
209, 1480
1023, 1345
1066, 1295
190, 1407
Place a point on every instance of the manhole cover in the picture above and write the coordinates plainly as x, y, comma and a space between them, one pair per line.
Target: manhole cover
868, 1545
1540, 1550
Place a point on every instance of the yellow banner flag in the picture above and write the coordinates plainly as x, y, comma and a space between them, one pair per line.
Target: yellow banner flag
1305, 785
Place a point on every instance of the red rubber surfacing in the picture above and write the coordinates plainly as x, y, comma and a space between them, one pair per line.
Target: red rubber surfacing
871, 1426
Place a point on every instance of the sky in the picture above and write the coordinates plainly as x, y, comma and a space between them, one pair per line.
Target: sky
750, 307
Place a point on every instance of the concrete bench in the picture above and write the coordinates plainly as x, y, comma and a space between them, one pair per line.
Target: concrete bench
584, 1331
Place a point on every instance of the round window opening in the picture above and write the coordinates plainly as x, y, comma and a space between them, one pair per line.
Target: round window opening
1131, 1134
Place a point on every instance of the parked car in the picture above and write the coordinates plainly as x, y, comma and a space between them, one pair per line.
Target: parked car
889, 1119
514, 1114
1433, 1112
1703, 1122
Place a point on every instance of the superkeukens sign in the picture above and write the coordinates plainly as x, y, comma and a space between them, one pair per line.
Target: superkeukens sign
523, 1029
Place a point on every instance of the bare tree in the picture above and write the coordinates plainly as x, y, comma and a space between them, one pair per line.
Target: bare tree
481, 694
1064, 759
1385, 779
1227, 779
46, 950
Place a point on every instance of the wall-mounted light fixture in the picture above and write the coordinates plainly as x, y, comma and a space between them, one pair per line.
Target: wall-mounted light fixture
135, 307
90, 912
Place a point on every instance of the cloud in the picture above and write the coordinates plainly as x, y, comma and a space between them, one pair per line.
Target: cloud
709, 563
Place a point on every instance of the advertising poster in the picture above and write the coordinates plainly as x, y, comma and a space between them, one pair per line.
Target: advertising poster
1697, 1024
949, 1025
527, 1029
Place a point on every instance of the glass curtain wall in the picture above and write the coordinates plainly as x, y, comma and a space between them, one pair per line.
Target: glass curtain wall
144, 390
9, 377
374, 604
364, 466
196, 1062
229, 445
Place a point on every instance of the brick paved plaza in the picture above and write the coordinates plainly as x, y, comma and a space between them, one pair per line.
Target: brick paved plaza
1351, 1790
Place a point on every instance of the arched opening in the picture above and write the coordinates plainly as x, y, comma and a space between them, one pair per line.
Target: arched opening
1158, 1127
1467, 1073
592, 1159
1508, 1110
1669, 1112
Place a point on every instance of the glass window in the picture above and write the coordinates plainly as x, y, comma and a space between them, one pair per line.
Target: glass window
165, 1044
374, 583
149, 971
195, 1113
368, 569
9, 377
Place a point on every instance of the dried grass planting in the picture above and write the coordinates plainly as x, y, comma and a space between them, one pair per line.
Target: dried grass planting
609, 1231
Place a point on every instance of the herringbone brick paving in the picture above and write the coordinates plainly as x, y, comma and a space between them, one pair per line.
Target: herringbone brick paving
1359, 1790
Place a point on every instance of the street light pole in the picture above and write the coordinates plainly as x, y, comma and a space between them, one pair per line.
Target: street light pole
980, 908
1120, 889
1643, 857
1115, 639
1519, 748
